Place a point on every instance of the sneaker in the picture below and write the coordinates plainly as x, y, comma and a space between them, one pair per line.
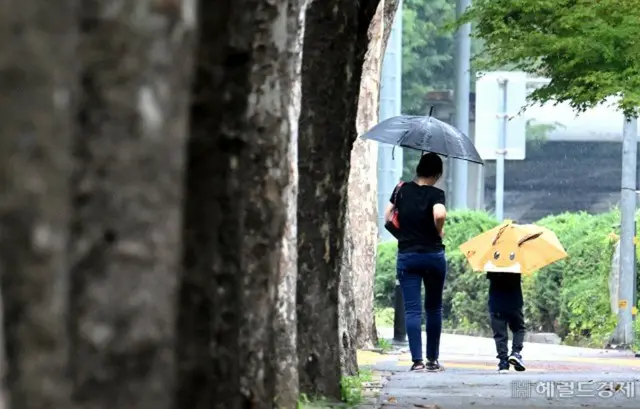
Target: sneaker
503, 366
516, 360
418, 366
434, 366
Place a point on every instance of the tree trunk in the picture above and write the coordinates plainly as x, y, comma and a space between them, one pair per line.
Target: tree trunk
335, 43
285, 343
361, 238
390, 9
347, 308
361, 235
237, 205
37, 52
127, 195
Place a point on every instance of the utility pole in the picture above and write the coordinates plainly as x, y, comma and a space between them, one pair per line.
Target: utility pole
390, 157
461, 94
634, 304
635, 273
627, 230
502, 149
390, 160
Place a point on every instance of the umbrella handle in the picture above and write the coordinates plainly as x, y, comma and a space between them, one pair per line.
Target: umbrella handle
397, 144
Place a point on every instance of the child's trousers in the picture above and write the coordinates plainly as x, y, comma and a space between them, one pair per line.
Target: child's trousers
513, 320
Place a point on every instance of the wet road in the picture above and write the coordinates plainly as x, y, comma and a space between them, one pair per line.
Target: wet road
556, 376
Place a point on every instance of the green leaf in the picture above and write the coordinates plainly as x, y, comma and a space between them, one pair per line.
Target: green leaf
589, 49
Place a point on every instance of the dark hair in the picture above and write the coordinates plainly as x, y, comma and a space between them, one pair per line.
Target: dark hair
430, 165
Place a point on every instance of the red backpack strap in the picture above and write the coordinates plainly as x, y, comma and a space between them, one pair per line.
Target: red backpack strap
395, 192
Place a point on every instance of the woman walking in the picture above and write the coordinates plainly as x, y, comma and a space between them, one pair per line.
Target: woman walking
421, 260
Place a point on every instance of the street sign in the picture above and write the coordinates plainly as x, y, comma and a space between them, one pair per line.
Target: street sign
488, 107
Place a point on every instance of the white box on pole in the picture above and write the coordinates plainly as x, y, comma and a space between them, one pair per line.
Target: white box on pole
488, 103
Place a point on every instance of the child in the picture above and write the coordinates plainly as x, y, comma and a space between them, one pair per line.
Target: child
505, 308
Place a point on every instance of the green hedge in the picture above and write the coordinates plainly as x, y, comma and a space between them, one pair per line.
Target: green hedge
570, 298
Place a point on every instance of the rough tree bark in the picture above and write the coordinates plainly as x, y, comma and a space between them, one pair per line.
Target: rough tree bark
236, 211
37, 53
390, 9
361, 228
127, 195
335, 43
361, 236
285, 325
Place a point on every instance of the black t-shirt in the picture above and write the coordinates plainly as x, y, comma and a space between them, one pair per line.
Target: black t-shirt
418, 232
505, 292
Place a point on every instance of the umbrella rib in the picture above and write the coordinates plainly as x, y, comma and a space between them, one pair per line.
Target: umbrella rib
404, 136
446, 141
427, 135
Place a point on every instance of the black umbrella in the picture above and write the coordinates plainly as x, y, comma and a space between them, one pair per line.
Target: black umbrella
427, 134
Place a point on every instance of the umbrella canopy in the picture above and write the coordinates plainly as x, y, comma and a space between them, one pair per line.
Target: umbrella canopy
513, 248
427, 134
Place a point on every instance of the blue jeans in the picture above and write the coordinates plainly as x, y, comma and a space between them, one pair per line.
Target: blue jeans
414, 269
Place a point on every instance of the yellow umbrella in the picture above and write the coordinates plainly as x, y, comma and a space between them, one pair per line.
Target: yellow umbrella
513, 248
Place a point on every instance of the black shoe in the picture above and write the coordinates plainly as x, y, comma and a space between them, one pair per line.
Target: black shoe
434, 366
503, 366
418, 366
516, 360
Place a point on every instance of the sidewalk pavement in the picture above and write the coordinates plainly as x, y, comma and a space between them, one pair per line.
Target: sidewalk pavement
556, 376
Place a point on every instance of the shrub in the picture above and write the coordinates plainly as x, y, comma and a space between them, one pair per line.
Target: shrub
551, 293
385, 279
583, 303
384, 317
570, 297
636, 330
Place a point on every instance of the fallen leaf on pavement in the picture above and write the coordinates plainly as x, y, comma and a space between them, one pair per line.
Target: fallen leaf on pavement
392, 400
417, 405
